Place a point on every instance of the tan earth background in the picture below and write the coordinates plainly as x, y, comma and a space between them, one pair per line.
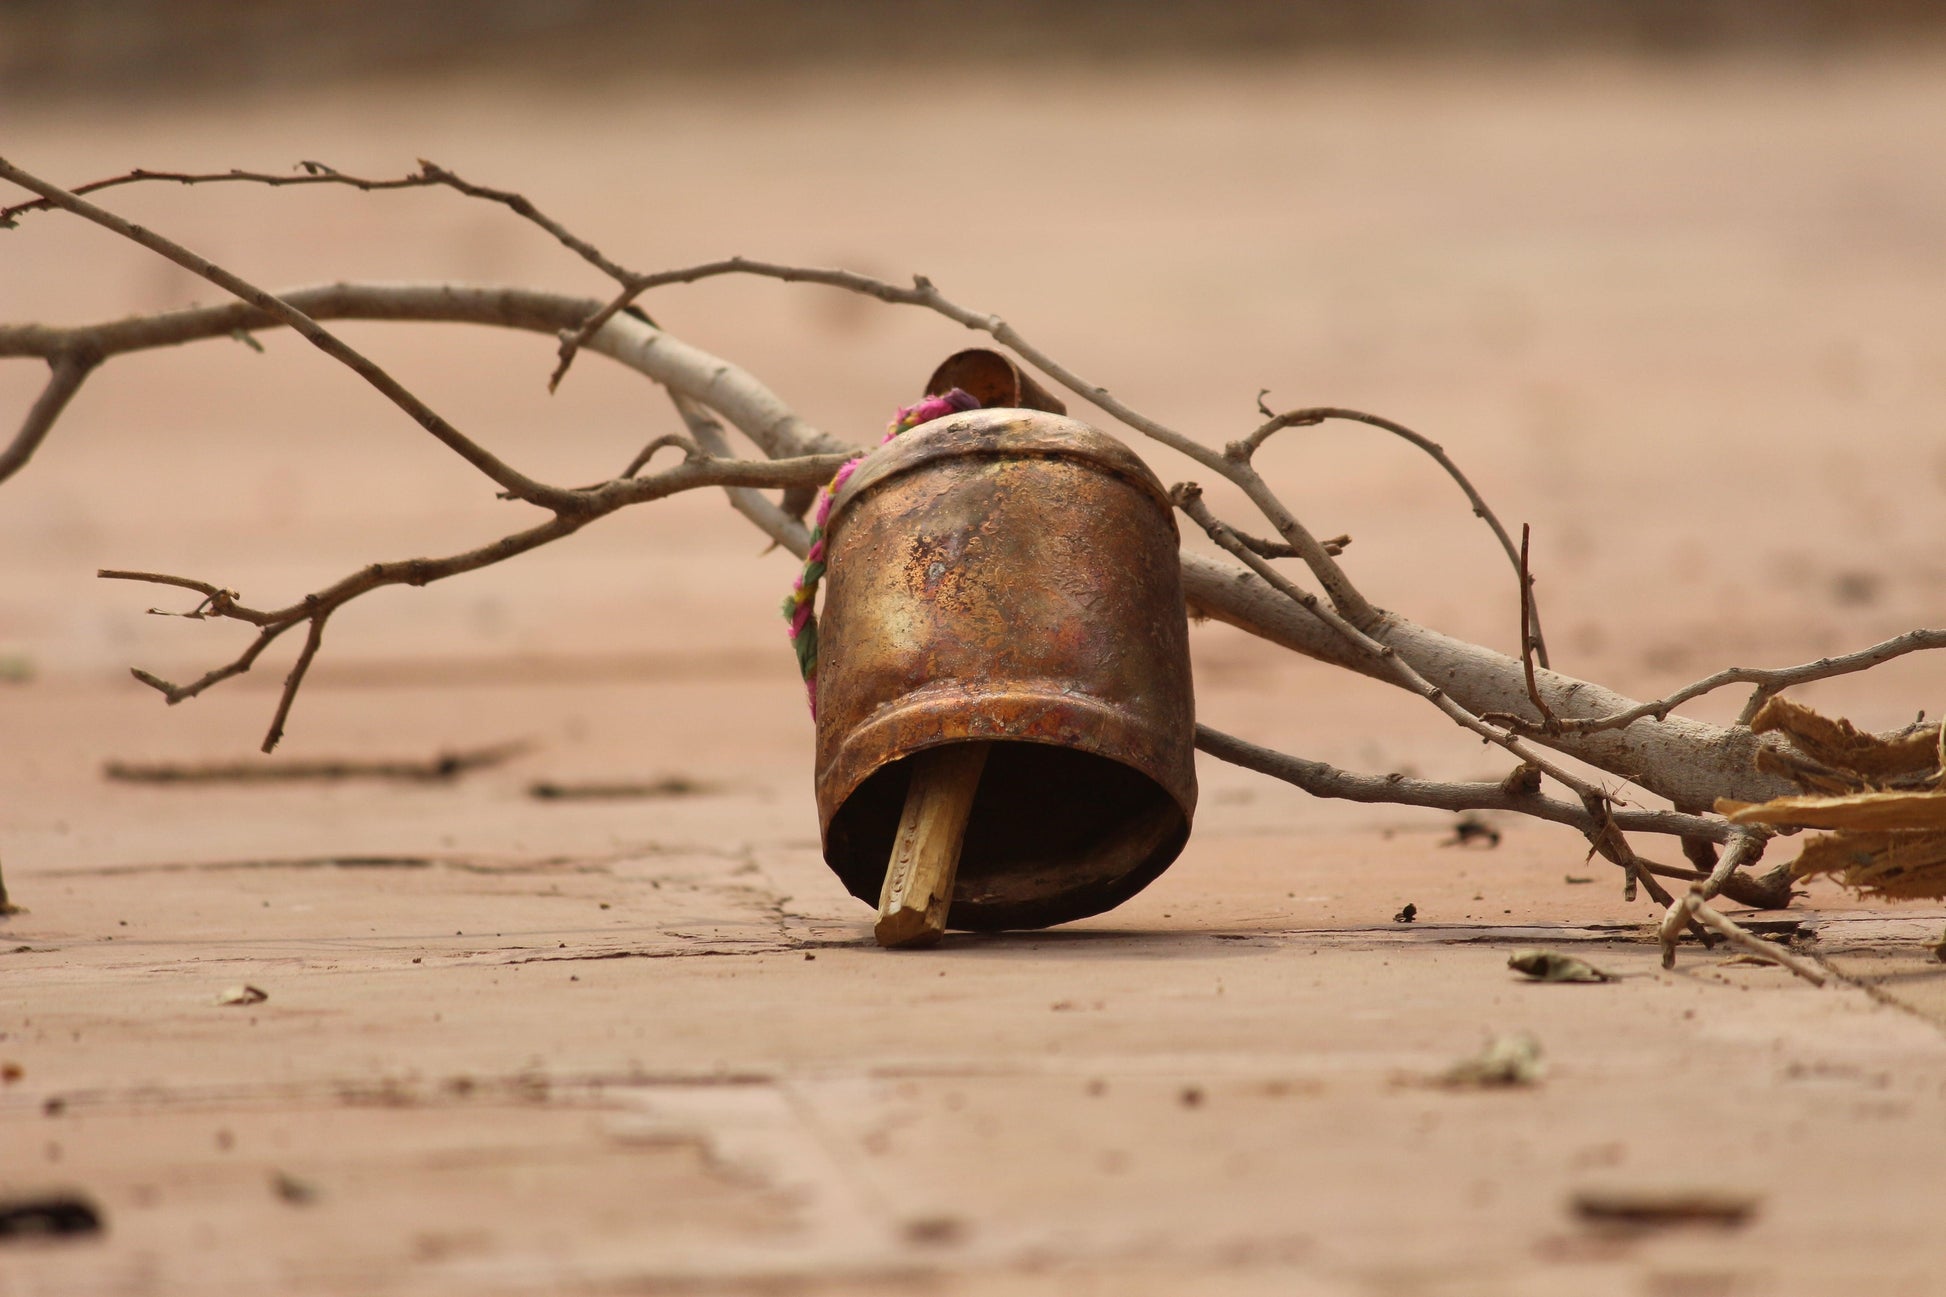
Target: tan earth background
1665, 279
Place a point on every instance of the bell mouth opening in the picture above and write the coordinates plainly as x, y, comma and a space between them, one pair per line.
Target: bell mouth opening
1055, 834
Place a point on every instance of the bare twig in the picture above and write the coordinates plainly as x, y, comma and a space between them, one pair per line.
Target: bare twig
688, 447
1530, 639
1692, 906
217, 602
1322, 780
314, 609
770, 518
504, 475
1188, 497
429, 175
68, 371
308, 173
1262, 548
1768, 682
1244, 452
1599, 824
173, 694
632, 341
1679, 758
1344, 596
671, 786
313, 640
1745, 848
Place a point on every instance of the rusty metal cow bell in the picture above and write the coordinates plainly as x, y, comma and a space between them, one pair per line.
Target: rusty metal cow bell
1003, 669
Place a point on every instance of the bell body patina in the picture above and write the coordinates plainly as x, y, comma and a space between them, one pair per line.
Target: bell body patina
1011, 577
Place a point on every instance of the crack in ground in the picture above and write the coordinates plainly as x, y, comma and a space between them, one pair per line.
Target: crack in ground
463, 863
733, 950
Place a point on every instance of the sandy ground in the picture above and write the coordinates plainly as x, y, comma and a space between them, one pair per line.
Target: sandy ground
1685, 320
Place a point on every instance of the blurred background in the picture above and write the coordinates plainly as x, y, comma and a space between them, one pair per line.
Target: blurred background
1663, 276
140, 48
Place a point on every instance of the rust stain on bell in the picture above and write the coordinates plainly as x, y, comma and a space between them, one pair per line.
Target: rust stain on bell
1009, 576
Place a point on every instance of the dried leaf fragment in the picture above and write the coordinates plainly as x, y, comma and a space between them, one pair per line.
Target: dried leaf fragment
48, 1216
1505, 1061
1896, 866
290, 1189
1888, 844
242, 995
1874, 810
1839, 744
1552, 966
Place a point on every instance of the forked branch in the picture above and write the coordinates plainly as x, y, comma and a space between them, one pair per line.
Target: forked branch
68, 370
314, 609
1245, 451
509, 479
1769, 682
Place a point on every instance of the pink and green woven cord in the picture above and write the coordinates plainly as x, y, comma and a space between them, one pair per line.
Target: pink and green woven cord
800, 605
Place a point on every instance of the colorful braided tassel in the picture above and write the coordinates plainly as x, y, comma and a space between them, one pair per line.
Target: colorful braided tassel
800, 608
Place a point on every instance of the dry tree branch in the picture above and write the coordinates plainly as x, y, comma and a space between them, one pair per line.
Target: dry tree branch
1769, 682
430, 175
1511, 794
1687, 761
1345, 597
509, 479
1599, 825
308, 173
1188, 497
316, 608
769, 517
1322, 780
1262, 548
572, 509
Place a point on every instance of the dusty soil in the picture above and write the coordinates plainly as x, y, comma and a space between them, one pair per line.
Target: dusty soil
1685, 320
